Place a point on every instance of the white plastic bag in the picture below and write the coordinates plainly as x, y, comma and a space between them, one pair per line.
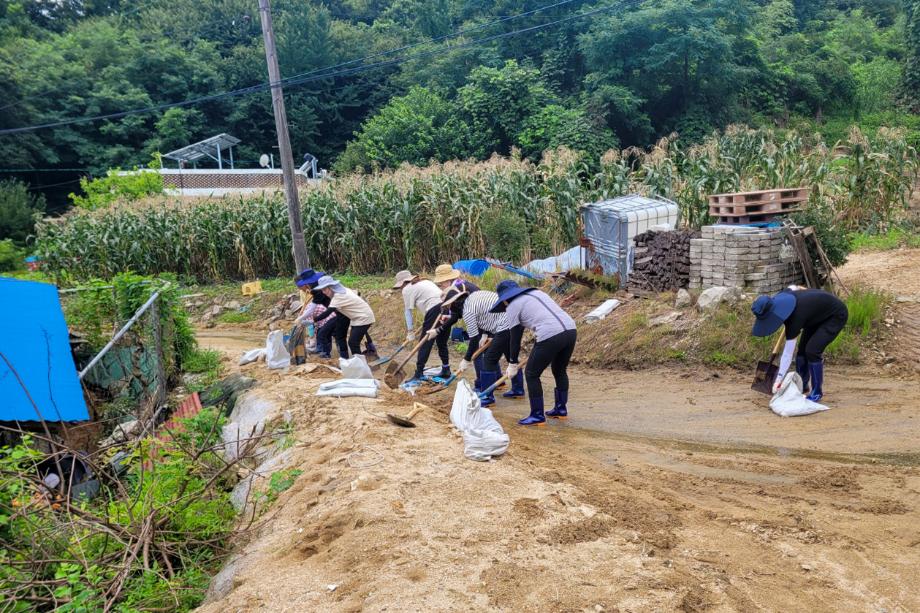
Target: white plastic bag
252, 355
483, 437
355, 367
788, 401
276, 354
344, 388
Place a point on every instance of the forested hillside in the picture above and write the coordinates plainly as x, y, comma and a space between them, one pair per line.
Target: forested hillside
379, 82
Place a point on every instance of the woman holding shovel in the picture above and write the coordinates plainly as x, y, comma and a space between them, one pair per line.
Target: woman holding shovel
818, 316
350, 307
528, 307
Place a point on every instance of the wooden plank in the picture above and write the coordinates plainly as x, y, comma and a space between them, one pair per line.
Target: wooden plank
757, 214
763, 191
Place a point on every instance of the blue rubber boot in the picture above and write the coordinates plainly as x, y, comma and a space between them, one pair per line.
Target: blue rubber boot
517, 387
801, 367
817, 380
486, 380
560, 410
536, 417
417, 378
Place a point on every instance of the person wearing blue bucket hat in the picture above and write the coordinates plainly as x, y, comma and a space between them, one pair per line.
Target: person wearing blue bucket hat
817, 315
528, 307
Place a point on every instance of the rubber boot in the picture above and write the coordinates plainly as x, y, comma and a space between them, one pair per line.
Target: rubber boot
560, 410
486, 379
418, 377
370, 349
445, 371
517, 387
536, 417
477, 365
817, 380
801, 367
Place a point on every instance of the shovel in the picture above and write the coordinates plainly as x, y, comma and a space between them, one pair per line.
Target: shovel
394, 376
494, 386
440, 387
381, 361
406, 420
765, 373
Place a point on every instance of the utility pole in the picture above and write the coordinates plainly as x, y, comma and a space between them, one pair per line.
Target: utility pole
301, 258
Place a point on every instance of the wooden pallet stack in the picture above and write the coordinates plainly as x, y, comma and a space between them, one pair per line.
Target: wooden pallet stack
756, 207
661, 260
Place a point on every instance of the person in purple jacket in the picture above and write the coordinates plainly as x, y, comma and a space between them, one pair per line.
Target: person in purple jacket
528, 307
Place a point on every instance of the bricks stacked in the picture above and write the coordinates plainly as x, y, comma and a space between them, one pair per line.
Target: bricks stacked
661, 260
755, 259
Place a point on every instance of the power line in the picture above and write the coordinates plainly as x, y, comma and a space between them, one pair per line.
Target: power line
314, 76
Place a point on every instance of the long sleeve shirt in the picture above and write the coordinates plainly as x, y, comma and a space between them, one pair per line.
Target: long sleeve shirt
423, 295
537, 311
479, 320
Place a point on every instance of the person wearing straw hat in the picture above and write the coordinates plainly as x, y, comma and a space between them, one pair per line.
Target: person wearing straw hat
417, 293
455, 290
528, 307
351, 309
817, 315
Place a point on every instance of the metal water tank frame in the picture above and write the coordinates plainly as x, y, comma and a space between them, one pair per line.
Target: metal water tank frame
610, 225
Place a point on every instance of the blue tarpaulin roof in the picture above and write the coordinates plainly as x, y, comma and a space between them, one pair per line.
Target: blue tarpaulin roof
34, 339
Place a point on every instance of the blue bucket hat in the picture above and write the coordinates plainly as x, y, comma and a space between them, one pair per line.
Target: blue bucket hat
507, 291
772, 312
307, 277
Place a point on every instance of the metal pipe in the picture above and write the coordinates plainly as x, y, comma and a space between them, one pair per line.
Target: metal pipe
121, 332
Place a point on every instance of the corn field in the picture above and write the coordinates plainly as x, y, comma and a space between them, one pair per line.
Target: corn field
419, 217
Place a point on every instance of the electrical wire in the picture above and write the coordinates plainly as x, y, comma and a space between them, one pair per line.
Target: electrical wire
313, 76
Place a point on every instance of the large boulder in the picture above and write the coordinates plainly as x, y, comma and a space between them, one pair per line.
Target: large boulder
711, 298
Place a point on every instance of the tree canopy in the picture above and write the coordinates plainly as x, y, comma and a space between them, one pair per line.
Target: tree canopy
627, 74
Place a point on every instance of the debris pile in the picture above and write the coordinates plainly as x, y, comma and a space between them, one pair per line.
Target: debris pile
662, 260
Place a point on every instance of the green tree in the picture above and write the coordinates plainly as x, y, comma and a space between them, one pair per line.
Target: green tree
414, 128
555, 125
18, 208
497, 102
911, 83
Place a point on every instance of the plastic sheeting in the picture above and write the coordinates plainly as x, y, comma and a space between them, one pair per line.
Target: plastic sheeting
483, 437
34, 338
476, 268
564, 262
789, 401
344, 388
276, 354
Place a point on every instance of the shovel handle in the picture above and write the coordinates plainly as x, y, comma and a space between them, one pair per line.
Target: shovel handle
418, 408
504, 378
778, 344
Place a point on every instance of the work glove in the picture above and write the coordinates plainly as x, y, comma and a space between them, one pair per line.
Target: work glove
432, 334
463, 366
777, 383
513, 369
410, 336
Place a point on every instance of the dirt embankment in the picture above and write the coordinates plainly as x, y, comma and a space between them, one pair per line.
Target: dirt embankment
571, 519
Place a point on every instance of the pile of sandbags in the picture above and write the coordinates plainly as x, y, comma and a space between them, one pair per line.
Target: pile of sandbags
661, 260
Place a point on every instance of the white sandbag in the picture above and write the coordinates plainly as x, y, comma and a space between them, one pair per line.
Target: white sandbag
345, 388
483, 437
276, 354
252, 355
355, 367
789, 401
603, 311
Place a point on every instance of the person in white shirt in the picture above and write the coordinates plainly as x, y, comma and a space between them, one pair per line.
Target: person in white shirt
347, 304
423, 295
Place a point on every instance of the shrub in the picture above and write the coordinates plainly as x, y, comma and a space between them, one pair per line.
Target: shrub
18, 210
11, 257
118, 187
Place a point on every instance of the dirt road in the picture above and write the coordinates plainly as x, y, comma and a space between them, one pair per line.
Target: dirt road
664, 491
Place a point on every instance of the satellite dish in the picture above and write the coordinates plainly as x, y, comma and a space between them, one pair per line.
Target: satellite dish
264, 161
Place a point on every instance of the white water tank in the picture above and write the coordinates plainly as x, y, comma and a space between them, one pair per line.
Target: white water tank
611, 225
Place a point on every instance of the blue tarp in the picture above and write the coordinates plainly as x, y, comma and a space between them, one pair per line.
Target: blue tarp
34, 339
477, 268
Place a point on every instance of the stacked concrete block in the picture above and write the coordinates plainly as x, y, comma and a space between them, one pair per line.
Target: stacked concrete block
754, 259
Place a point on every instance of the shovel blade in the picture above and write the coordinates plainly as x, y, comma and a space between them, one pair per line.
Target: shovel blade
764, 376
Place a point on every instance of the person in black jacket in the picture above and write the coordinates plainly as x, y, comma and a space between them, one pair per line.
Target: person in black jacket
815, 315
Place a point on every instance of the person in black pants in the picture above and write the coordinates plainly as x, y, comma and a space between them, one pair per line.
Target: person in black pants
818, 316
479, 321
528, 307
